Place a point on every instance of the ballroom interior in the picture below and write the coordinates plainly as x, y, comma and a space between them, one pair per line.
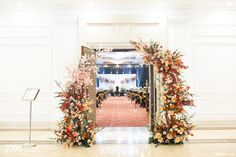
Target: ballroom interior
101, 77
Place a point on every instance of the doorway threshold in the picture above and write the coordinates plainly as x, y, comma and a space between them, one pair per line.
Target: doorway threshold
123, 135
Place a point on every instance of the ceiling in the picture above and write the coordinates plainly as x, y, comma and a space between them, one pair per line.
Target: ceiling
119, 58
116, 4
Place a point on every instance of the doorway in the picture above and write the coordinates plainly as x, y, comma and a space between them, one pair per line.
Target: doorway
110, 125
121, 89
115, 32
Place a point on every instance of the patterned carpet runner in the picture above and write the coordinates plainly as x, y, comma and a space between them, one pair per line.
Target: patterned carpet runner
119, 112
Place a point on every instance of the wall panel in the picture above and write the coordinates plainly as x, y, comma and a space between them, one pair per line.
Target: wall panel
208, 43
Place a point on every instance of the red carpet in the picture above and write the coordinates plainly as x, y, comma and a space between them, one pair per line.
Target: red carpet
119, 112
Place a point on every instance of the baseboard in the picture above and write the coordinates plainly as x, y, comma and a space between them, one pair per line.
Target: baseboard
25, 126
200, 125
215, 124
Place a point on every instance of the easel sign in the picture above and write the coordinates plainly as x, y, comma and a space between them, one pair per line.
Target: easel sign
30, 94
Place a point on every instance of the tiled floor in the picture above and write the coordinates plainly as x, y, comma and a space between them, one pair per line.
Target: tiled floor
121, 142
117, 135
129, 135
123, 150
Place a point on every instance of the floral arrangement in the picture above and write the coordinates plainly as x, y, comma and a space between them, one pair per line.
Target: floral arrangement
127, 80
77, 126
106, 80
173, 123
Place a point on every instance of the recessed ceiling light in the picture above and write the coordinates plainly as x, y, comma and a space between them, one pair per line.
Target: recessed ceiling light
229, 3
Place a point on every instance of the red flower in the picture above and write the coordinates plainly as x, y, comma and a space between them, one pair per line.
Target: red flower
64, 106
68, 131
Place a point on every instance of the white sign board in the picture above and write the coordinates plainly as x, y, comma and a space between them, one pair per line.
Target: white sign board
30, 94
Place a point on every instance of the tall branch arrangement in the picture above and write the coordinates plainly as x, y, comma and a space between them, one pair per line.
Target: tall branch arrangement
173, 123
77, 126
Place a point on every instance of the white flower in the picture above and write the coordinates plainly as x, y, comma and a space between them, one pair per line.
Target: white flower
169, 80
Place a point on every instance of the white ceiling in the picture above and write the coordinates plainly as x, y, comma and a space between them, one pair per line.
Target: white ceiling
119, 58
116, 4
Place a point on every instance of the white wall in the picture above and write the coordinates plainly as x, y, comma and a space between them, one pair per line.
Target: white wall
208, 38
35, 48
115, 30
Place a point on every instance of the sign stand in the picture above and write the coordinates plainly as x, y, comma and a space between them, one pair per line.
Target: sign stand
30, 95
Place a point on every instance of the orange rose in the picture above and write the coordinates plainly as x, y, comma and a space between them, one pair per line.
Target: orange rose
163, 98
160, 140
177, 140
84, 135
169, 136
158, 136
172, 106
174, 99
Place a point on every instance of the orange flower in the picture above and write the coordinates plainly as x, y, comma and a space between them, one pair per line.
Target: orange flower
163, 98
178, 61
92, 133
169, 136
158, 136
174, 99
84, 135
172, 106
161, 108
160, 140
65, 119
181, 130
70, 127
174, 134
177, 140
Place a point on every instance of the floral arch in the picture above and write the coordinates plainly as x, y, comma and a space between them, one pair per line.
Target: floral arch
173, 125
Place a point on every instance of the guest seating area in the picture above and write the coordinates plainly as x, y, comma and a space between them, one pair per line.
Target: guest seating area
101, 95
122, 92
140, 97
